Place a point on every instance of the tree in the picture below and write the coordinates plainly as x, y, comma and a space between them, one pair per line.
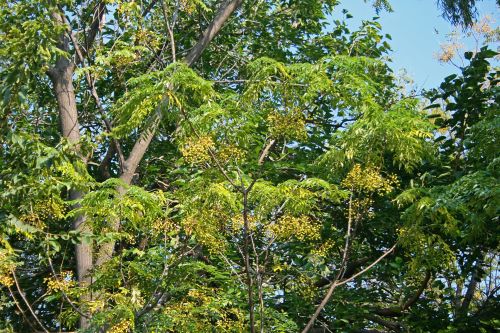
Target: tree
232, 166
460, 12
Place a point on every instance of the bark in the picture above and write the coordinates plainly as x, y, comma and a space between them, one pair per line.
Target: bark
471, 289
212, 30
61, 76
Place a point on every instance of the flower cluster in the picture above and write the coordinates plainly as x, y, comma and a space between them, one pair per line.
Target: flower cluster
230, 153
63, 283
368, 181
206, 229
302, 228
197, 151
43, 211
123, 326
162, 226
448, 51
323, 249
6, 267
291, 126
237, 223
305, 287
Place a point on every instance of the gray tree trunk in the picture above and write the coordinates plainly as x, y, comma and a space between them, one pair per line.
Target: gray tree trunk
61, 76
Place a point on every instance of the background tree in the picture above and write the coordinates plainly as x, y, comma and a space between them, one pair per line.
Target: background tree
237, 166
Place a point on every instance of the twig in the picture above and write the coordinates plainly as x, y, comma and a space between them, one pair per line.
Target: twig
26, 302
64, 293
18, 306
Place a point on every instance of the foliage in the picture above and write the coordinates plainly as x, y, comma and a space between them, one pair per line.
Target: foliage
230, 194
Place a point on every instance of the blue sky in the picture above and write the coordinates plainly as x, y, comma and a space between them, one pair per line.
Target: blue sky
413, 26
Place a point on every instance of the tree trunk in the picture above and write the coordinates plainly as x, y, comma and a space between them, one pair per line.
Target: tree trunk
61, 76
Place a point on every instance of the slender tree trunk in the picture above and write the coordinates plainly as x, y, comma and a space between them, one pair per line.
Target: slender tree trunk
61, 76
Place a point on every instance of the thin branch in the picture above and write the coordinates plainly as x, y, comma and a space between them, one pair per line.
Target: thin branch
149, 8
103, 168
335, 284
366, 269
412, 300
246, 230
63, 293
169, 31
394, 326
27, 303
95, 26
18, 306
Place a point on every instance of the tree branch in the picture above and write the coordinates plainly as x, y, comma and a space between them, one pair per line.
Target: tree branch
412, 300
394, 326
143, 142
27, 303
95, 26
212, 30
149, 7
397, 311
265, 152
335, 284
471, 289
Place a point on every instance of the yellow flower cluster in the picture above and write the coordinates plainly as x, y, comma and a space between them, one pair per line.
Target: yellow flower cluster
448, 51
6, 280
188, 6
199, 296
32, 219
302, 228
197, 152
42, 211
6, 267
94, 306
361, 208
230, 153
232, 320
291, 126
368, 181
206, 231
122, 327
146, 37
186, 320
63, 283
161, 226
483, 26
323, 249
